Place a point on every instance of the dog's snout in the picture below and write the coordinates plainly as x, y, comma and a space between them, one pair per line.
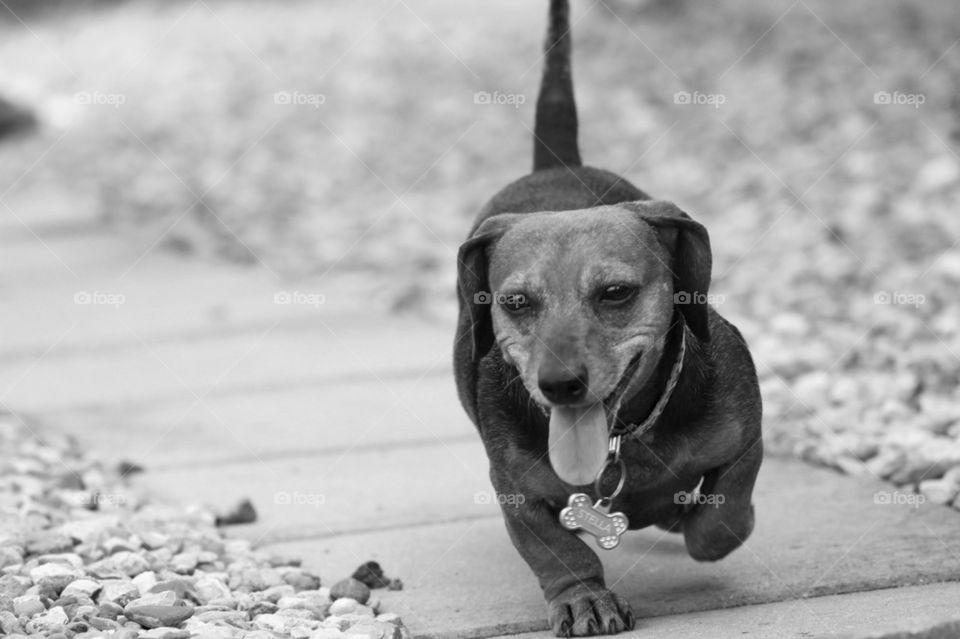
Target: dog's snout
561, 385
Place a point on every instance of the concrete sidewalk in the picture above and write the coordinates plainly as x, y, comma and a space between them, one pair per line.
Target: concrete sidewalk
344, 430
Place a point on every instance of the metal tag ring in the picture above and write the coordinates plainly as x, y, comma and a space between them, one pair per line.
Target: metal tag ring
623, 479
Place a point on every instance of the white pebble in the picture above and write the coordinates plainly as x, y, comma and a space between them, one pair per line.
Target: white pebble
343, 606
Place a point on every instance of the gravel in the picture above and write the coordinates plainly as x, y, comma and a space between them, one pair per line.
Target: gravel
82, 556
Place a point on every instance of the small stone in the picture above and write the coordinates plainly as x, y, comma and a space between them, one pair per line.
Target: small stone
338, 623
263, 608
274, 593
272, 622
352, 588
10, 556
291, 602
231, 617
70, 604
53, 576
177, 586
162, 598
114, 545
85, 587
242, 513
887, 462
14, 585
395, 584
9, 624
102, 623
118, 591
360, 612
164, 633
28, 606
184, 563
154, 540
224, 602
70, 559
851, 465
252, 578
145, 581
157, 616
198, 628
389, 617
952, 476
49, 622
84, 611
130, 563
302, 580
121, 564
938, 491
318, 596
6, 603
299, 613
209, 588
343, 606
109, 610
47, 542
371, 575
365, 630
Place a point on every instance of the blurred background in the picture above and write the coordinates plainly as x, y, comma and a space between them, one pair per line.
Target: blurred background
202, 160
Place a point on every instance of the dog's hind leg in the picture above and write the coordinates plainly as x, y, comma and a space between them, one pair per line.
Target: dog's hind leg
723, 518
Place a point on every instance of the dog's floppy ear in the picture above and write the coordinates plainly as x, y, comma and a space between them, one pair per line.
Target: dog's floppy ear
473, 282
689, 245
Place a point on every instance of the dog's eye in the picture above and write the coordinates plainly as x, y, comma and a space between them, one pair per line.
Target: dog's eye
514, 302
617, 294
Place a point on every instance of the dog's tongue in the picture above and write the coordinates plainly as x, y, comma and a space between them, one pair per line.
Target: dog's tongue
578, 443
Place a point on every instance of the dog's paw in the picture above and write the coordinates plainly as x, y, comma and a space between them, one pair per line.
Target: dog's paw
587, 610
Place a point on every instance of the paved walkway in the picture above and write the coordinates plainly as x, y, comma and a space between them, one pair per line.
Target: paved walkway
342, 426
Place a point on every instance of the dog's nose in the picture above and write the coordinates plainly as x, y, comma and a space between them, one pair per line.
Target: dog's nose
563, 386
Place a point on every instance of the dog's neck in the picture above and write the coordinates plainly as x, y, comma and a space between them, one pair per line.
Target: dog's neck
636, 409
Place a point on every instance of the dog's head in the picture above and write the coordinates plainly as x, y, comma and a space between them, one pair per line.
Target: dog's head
581, 302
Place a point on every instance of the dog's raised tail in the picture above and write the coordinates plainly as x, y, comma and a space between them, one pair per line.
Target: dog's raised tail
555, 129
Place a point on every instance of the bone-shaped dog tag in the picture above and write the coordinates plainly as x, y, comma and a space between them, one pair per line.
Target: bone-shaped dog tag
581, 514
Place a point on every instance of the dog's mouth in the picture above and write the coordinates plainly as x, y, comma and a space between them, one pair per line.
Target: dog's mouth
579, 435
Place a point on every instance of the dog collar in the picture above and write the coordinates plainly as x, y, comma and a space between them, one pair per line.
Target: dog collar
638, 430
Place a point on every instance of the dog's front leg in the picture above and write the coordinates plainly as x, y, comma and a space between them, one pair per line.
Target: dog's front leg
570, 574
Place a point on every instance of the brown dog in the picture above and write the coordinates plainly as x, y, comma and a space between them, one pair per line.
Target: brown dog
584, 317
